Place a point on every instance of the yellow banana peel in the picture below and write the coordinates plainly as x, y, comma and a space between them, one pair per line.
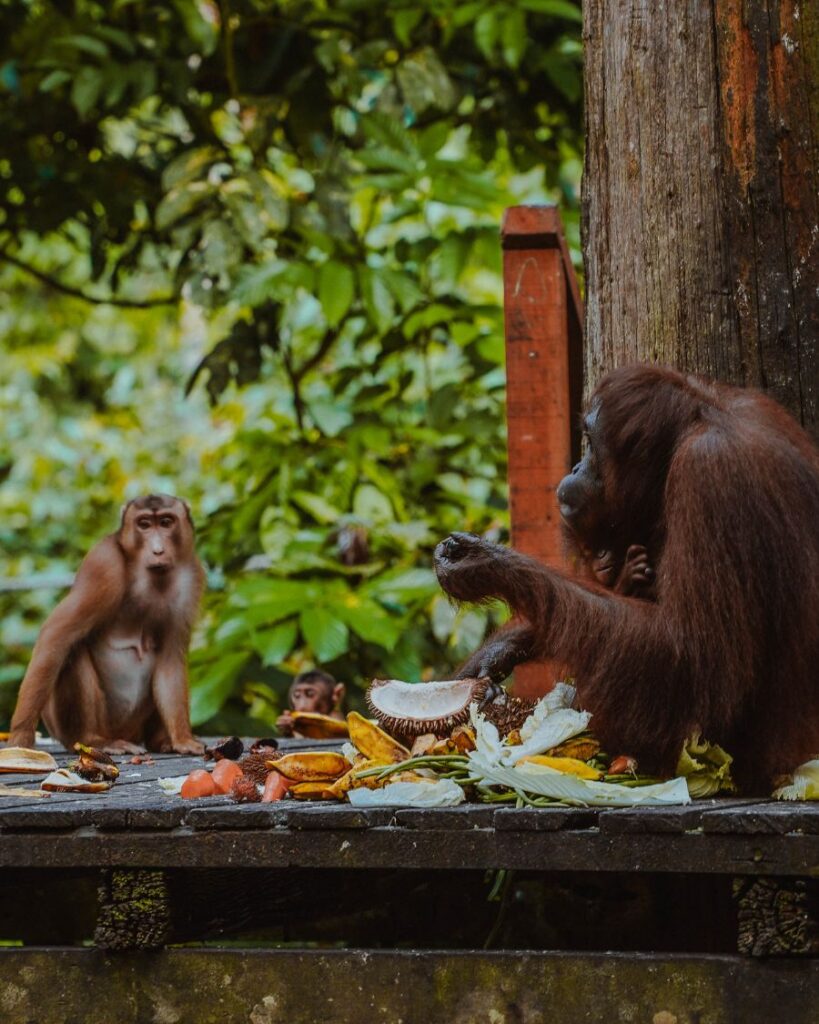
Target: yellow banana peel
311, 766
310, 791
318, 727
373, 742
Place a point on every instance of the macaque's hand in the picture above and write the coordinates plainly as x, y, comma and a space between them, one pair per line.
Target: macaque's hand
22, 738
284, 723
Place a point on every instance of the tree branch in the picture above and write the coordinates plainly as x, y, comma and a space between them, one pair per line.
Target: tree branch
78, 293
295, 381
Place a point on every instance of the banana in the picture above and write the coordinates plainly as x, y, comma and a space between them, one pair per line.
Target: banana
373, 742
311, 766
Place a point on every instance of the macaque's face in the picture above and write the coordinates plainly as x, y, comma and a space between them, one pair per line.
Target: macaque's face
158, 534
311, 697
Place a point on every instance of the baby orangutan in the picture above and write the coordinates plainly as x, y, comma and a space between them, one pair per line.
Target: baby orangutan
109, 667
633, 577
313, 691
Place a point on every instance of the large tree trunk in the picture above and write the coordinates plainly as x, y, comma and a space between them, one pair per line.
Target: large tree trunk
701, 191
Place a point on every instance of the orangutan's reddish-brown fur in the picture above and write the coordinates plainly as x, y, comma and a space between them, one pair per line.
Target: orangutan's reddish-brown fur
722, 486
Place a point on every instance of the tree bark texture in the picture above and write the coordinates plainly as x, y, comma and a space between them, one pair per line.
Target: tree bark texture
701, 191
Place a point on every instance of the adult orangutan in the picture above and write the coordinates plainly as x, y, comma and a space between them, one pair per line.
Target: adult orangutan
722, 487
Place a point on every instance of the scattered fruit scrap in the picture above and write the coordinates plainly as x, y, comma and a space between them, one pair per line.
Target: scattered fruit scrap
438, 744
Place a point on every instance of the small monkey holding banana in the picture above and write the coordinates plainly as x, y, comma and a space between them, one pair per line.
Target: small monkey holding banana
109, 667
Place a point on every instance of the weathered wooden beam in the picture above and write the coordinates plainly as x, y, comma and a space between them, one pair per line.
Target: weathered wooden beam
197, 986
543, 318
427, 849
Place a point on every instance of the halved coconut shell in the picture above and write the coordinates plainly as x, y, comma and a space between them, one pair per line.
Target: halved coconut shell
412, 709
22, 759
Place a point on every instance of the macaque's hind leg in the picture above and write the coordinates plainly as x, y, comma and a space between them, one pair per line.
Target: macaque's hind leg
157, 737
118, 746
77, 711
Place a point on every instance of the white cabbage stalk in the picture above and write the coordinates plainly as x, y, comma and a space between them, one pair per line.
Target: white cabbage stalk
487, 737
803, 786
549, 782
553, 729
172, 785
552, 721
443, 793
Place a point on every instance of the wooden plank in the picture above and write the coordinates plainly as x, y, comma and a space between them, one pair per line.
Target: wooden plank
427, 849
454, 819
768, 818
210, 986
544, 819
644, 820
232, 816
337, 816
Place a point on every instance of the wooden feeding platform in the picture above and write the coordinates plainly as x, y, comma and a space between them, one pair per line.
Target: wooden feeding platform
321, 911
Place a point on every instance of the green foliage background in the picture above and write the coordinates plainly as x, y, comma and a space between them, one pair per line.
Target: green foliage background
249, 255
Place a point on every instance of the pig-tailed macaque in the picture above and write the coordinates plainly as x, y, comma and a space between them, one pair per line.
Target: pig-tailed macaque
109, 667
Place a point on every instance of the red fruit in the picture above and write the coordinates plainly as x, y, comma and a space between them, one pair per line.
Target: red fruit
198, 783
225, 774
275, 787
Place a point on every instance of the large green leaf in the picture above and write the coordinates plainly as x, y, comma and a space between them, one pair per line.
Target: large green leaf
180, 202
556, 8
369, 621
273, 645
326, 634
336, 290
211, 687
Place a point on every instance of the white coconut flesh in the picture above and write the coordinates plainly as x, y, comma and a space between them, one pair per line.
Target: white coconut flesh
416, 704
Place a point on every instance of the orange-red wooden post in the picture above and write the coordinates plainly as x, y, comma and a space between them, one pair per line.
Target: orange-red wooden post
543, 317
